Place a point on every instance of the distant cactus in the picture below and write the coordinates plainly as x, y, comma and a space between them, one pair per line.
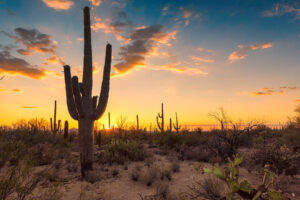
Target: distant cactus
137, 123
54, 126
176, 127
162, 124
170, 126
66, 129
81, 105
108, 120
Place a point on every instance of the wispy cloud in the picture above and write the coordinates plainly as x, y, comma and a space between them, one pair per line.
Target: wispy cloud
297, 100
204, 60
266, 91
12, 65
29, 107
8, 90
96, 2
280, 9
59, 4
243, 50
175, 67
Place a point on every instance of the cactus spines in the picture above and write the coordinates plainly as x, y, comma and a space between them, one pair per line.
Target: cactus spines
176, 127
161, 125
81, 105
170, 128
66, 129
54, 126
137, 123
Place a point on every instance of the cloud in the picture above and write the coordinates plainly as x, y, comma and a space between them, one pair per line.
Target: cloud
143, 42
243, 50
165, 9
34, 41
12, 65
59, 4
280, 9
175, 67
119, 24
29, 107
266, 91
16, 90
297, 100
53, 60
96, 2
199, 59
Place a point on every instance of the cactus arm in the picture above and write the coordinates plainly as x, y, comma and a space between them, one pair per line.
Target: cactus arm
81, 89
51, 124
78, 99
69, 93
87, 60
102, 103
58, 125
95, 98
158, 123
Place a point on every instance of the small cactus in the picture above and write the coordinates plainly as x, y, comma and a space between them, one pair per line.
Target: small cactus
55, 127
161, 125
176, 127
170, 128
137, 123
66, 129
108, 120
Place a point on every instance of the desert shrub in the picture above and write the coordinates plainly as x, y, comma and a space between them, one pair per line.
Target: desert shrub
166, 173
243, 188
149, 175
200, 153
162, 193
175, 166
135, 173
291, 137
20, 179
173, 140
210, 188
282, 160
52, 193
92, 176
119, 151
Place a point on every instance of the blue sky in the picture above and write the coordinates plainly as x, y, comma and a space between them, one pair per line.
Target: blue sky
193, 55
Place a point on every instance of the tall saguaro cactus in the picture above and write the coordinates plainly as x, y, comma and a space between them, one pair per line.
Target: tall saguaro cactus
54, 126
108, 120
81, 105
137, 123
162, 124
176, 127
170, 128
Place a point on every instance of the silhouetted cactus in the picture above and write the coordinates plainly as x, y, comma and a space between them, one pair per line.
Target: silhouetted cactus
176, 127
66, 129
170, 126
108, 120
137, 123
81, 105
54, 126
162, 124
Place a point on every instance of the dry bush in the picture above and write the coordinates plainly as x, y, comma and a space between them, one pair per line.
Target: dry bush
135, 173
165, 173
175, 166
162, 193
92, 176
281, 159
210, 188
149, 175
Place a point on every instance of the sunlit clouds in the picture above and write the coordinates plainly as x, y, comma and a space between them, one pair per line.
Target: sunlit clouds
29, 107
202, 60
96, 2
243, 50
59, 4
266, 91
279, 9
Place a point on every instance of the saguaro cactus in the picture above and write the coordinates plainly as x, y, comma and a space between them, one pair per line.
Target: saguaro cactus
137, 123
176, 127
170, 125
54, 126
66, 129
81, 105
162, 124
